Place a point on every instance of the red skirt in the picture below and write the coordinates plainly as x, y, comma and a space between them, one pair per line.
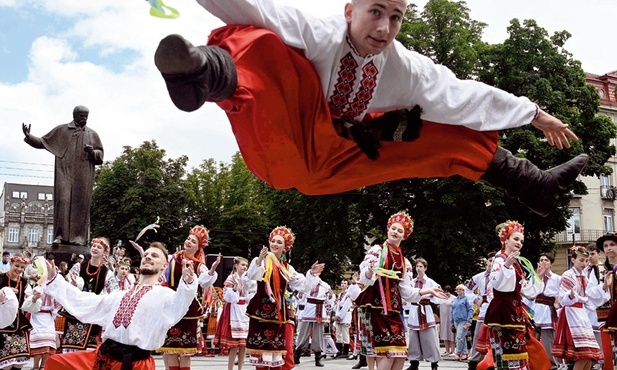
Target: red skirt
224, 338
564, 347
285, 133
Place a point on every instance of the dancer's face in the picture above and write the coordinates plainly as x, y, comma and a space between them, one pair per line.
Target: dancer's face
579, 263
420, 269
396, 233
514, 242
153, 263
610, 249
373, 24
241, 267
191, 245
97, 250
594, 257
277, 245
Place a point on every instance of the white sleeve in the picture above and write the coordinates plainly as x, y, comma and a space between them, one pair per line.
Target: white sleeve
177, 304
8, 309
502, 278
29, 305
256, 271
85, 306
296, 28
444, 98
204, 278
230, 296
372, 257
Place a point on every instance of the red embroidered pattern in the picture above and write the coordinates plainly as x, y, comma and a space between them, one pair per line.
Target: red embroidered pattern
367, 88
340, 106
344, 86
129, 302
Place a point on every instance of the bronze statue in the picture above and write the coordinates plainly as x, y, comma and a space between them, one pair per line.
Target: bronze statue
77, 149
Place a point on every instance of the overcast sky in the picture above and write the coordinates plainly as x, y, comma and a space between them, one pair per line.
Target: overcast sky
57, 54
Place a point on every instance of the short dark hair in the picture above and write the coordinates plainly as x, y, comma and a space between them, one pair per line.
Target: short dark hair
5, 254
549, 256
591, 247
491, 254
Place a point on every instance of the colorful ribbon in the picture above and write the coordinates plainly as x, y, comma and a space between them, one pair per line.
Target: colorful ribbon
160, 10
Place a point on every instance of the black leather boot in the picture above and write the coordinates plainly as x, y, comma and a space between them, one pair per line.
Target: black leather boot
413, 365
345, 349
195, 74
472, 365
339, 347
535, 188
318, 359
297, 355
434, 365
361, 363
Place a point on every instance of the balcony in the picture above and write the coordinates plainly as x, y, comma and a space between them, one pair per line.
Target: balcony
608, 192
582, 236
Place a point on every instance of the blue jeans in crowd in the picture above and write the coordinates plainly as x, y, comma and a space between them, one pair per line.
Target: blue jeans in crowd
461, 338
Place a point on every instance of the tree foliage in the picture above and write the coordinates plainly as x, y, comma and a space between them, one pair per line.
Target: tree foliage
134, 189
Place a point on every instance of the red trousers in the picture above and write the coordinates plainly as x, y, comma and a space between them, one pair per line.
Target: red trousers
284, 130
84, 360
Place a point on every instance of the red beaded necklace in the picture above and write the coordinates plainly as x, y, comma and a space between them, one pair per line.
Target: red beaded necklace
17, 283
95, 272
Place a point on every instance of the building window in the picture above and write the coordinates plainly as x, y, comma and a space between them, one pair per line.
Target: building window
574, 224
15, 195
601, 93
50, 236
50, 197
41, 196
23, 195
607, 215
13, 234
33, 236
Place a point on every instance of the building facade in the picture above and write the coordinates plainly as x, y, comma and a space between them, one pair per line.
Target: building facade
593, 214
26, 218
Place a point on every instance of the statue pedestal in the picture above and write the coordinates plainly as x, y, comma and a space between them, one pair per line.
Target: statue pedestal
62, 252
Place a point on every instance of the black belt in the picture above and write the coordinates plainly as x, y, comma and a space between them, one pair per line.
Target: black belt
124, 353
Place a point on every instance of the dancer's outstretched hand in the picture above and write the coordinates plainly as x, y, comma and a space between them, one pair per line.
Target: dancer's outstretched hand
557, 133
317, 268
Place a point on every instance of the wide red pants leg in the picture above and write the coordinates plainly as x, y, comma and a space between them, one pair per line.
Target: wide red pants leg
84, 360
284, 130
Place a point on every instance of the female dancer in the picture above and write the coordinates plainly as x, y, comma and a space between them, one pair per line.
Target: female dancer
386, 275
574, 338
42, 306
233, 326
181, 341
14, 341
90, 276
506, 317
270, 338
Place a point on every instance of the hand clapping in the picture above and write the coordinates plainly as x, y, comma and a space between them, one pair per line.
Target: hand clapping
188, 273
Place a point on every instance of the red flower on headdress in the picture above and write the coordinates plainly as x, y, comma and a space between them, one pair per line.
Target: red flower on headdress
202, 234
287, 235
508, 228
100, 241
403, 219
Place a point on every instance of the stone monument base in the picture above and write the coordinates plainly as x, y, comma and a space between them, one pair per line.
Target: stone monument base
63, 252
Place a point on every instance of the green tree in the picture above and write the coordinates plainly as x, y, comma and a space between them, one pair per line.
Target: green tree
134, 189
455, 219
243, 225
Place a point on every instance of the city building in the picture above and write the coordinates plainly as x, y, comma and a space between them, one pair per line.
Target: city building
26, 218
593, 214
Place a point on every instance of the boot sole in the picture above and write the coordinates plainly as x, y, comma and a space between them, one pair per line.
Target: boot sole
173, 56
